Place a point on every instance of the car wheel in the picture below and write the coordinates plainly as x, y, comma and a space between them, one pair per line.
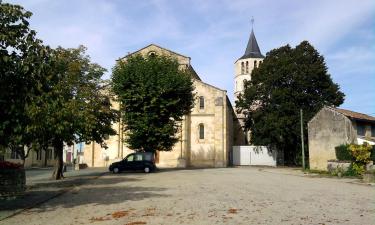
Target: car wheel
147, 169
116, 170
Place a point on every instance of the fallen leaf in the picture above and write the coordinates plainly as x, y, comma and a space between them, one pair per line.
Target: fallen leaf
233, 211
120, 214
136, 223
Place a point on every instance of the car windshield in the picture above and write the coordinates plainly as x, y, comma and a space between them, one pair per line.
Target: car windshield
130, 158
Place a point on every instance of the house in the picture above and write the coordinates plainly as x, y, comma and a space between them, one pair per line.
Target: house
331, 127
39, 158
206, 134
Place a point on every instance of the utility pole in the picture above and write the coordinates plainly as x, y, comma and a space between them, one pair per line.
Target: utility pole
302, 141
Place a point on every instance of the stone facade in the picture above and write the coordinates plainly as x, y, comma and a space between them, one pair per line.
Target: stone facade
12, 183
35, 158
331, 127
42, 158
215, 117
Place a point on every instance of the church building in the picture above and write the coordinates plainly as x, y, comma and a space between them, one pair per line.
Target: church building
207, 134
243, 67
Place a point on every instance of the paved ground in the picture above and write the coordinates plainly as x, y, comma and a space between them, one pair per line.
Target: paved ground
41, 188
208, 196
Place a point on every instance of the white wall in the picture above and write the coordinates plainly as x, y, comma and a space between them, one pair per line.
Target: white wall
253, 155
361, 141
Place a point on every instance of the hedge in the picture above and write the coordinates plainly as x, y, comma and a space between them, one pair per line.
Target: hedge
372, 157
343, 153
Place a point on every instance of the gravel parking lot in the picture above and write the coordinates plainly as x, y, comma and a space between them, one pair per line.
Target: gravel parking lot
208, 196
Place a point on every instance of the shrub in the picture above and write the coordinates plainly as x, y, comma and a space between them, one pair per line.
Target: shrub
351, 171
372, 157
10, 165
343, 153
361, 154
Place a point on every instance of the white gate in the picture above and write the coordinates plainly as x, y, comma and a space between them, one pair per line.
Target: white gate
253, 155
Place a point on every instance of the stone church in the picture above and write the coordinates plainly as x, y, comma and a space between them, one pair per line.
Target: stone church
207, 134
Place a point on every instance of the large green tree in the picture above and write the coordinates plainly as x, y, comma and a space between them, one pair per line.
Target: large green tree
76, 107
154, 94
289, 79
23, 61
47, 97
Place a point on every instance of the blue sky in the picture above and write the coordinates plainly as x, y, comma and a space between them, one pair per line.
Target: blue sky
214, 34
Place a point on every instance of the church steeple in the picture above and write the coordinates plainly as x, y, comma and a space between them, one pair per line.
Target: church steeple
252, 49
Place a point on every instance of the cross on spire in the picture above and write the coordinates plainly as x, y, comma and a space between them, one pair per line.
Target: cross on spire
252, 48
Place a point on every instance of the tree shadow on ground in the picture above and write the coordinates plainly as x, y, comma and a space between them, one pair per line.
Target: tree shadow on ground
104, 195
87, 190
77, 181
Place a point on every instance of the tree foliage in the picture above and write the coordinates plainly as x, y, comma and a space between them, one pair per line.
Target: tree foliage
23, 60
48, 96
76, 107
289, 79
154, 95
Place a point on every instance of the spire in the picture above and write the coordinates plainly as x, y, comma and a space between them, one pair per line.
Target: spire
252, 49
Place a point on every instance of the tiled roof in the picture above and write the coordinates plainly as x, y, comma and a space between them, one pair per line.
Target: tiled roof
355, 115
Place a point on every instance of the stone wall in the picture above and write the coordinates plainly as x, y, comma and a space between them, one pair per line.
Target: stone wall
326, 130
12, 183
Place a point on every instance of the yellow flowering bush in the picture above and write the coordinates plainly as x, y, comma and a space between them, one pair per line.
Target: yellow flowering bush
361, 154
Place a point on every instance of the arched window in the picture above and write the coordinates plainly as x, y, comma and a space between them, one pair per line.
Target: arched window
244, 84
201, 102
247, 67
201, 131
255, 63
242, 68
152, 54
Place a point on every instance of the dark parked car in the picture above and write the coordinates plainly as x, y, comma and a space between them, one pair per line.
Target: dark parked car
135, 161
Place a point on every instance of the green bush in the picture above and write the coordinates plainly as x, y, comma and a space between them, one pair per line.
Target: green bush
351, 172
372, 157
343, 153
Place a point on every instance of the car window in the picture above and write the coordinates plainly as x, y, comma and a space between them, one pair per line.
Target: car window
138, 157
130, 158
148, 157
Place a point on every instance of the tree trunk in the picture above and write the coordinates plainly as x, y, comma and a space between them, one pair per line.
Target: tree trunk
58, 170
45, 155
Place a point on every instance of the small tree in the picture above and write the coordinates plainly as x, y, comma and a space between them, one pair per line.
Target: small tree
288, 80
154, 94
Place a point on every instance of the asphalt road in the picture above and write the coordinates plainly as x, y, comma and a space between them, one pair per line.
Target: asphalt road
209, 196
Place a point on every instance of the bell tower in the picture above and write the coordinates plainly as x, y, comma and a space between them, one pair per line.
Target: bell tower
243, 67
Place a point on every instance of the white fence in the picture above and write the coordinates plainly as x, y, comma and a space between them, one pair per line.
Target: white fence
253, 155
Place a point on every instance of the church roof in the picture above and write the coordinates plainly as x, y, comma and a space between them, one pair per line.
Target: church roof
252, 49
